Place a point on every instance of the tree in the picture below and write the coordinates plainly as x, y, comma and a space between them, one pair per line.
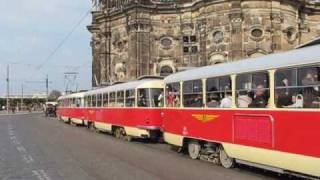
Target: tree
54, 95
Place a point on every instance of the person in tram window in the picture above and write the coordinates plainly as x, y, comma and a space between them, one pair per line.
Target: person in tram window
213, 101
259, 100
226, 102
176, 101
310, 90
170, 99
283, 95
311, 99
311, 78
197, 101
142, 100
244, 100
159, 100
284, 99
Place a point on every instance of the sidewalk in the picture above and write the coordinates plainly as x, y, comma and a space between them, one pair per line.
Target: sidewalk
4, 113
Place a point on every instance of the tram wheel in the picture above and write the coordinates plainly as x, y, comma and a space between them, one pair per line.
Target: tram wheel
128, 138
91, 127
177, 149
194, 149
122, 134
225, 160
117, 133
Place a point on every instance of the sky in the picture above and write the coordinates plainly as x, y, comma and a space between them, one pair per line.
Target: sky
30, 30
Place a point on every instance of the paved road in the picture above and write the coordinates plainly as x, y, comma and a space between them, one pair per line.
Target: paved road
36, 148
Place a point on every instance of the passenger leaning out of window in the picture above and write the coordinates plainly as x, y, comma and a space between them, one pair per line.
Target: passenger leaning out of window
244, 100
259, 100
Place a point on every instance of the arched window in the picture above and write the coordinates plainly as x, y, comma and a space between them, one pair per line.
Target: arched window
166, 71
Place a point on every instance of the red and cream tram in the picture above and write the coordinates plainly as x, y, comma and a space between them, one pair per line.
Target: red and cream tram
263, 112
131, 109
71, 108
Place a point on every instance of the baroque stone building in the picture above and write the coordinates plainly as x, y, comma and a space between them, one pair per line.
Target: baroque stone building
132, 38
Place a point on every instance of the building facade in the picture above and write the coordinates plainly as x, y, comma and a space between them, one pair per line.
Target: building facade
132, 38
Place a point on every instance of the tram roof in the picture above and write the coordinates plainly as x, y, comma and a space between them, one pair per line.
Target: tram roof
73, 95
124, 86
308, 55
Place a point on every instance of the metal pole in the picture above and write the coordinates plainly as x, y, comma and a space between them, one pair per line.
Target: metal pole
8, 93
47, 87
21, 106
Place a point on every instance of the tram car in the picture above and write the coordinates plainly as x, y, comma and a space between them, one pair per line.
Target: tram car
71, 108
262, 112
127, 110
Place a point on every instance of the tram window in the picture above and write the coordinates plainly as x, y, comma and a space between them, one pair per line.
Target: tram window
192, 94
308, 80
298, 88
85, 101
78, 102
72, 102
89, 101
219, 90
94, 100
99, 100
173, 95
156, 95
112, 99
143, 98
120, 99
253, 90
130, 98
105, 100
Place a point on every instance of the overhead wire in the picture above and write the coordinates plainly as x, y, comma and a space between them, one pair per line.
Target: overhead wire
64, 40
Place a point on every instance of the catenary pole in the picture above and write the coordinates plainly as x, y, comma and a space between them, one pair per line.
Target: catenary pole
8, 89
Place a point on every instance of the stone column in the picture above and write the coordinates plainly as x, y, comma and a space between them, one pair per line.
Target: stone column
139, 45
276, 21
236, 39
96, 75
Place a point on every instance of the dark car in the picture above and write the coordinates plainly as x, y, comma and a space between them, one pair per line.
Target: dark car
51, 110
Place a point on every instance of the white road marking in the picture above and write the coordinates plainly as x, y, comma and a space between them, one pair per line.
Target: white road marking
26, 158
41, 174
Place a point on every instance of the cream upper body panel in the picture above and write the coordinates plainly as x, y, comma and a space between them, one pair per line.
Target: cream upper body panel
299, 57
74, 95
138, 84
